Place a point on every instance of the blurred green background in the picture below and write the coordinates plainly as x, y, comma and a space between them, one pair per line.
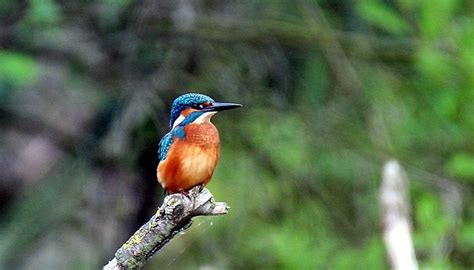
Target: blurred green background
331, 90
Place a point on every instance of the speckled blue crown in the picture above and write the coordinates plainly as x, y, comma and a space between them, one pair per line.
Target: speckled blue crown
185, 101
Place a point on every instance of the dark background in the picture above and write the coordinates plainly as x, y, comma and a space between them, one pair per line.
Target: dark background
331, 90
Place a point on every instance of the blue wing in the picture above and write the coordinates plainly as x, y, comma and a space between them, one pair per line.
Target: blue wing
165, 143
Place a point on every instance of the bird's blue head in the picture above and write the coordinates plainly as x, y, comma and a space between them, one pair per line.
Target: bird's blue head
199, 104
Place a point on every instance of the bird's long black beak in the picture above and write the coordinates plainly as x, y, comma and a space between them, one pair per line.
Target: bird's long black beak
221, 106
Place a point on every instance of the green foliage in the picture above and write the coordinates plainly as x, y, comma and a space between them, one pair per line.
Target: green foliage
380, 15
290, 151
461, 166
430, 222
464, 236
17, 69
331, 90
40, 211
435, 16
43, 13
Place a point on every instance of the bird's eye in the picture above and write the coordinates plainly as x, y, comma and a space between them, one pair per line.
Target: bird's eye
198, 106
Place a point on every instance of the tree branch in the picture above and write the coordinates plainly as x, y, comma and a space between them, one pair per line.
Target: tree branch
171, 218
396, 217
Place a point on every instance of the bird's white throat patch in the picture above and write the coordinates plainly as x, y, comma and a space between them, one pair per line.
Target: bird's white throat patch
204, 118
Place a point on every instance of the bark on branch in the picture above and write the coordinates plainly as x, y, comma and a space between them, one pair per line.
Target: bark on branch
171, 218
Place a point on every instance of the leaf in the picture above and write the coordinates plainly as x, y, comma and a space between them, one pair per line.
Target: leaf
43, 12
433, 64
17, 69
464, 236
435, 16
461, 165
383, 17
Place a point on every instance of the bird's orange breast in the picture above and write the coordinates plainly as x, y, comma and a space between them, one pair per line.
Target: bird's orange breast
190, 161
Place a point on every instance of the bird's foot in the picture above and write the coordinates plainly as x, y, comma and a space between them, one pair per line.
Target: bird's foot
194, 191
201, 187
184, 192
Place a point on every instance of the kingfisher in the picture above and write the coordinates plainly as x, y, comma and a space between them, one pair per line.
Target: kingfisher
189, 152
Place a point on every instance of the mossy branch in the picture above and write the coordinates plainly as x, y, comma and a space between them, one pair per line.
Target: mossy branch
171, 218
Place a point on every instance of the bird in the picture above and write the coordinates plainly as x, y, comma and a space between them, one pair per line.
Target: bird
189, 152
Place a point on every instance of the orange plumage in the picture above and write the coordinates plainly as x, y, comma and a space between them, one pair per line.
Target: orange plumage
190, 161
